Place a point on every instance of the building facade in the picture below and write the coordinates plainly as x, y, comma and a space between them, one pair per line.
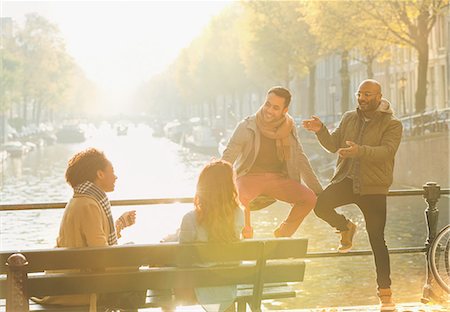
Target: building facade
397, 74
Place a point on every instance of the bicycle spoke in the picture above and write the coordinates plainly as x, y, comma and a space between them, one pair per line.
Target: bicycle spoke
439, 254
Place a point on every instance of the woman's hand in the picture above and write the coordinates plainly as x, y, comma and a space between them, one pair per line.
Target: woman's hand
125, 220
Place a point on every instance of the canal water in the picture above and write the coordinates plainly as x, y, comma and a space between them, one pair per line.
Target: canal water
152, 167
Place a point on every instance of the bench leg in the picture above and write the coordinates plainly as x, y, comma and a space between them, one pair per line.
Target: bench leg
241, 306
255, 308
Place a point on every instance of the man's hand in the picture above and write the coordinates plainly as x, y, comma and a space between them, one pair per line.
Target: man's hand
247, 232
349, 152
313, 124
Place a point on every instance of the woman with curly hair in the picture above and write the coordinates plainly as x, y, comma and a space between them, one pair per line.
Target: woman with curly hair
88, 222
217, 217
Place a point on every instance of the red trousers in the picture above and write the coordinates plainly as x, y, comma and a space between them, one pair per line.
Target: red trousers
282, 188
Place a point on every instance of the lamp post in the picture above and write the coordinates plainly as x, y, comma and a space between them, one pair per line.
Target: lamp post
332, 89
402, 86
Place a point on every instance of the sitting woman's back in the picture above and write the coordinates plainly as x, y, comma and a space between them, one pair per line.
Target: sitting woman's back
217, 217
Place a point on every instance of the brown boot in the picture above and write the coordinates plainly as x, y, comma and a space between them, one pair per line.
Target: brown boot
386, 302
347, 238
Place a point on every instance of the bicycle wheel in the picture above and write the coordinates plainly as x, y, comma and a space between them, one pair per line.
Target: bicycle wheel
439, 258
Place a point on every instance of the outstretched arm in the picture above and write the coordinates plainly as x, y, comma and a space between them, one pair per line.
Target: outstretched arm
329, 141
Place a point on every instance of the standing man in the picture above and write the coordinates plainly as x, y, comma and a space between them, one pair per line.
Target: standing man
366, 141
269, 160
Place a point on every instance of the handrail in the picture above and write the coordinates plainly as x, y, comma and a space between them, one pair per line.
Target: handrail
174, 200
121, 202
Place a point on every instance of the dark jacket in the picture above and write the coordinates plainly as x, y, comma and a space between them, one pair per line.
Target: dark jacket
379, 142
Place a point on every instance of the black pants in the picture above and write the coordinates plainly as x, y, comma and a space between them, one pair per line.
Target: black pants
373, 208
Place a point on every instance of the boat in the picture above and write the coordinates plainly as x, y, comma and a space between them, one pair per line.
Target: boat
122, 130
70, 134
3, 157
173, 130
201, 139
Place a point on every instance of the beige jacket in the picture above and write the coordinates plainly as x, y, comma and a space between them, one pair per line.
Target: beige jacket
243, 148
84, 224
379, 143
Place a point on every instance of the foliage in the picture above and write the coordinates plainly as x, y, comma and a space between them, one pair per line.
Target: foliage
39, 78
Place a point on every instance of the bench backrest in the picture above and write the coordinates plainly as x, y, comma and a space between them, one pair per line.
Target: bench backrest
160, 266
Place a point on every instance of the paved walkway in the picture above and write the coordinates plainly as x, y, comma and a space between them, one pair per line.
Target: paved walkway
402, 307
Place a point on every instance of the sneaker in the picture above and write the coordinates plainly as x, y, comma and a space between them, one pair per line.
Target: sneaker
286, 229
386, 302
347, 238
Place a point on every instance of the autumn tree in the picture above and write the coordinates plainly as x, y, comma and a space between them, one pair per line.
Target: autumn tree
280, 44
341, 30
410, 23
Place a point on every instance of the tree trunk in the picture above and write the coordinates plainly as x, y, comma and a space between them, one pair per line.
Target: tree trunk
24, 110
241, 103
312, 90
345, 81
369, 69
287, 77
422, 49
37, 112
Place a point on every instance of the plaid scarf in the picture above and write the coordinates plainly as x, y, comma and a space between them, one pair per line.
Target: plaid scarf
89, 188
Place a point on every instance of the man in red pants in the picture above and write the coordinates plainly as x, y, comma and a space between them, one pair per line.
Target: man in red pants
269, 160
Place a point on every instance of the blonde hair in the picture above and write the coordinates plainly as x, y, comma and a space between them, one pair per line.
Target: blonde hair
216, 201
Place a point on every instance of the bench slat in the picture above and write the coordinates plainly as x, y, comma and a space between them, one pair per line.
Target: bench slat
135, 255
285, 248
60, 284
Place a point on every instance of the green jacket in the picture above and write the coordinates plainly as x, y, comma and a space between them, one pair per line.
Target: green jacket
379, 142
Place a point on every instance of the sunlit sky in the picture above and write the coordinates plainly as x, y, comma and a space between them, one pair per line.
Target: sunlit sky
121, 44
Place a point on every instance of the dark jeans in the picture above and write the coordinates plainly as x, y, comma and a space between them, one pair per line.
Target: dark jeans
373, 208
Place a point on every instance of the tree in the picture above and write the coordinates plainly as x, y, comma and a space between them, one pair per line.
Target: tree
361, 35
410, 23
280, 43
45, 68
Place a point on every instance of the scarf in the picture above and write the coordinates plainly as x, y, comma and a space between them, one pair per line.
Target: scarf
278, 130
89, 188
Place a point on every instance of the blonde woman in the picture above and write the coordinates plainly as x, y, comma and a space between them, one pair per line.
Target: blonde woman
217, 217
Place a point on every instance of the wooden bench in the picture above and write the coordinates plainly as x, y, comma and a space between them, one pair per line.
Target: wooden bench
266, 266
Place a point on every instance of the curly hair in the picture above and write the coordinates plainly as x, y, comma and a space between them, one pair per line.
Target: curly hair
83, 166
216, 201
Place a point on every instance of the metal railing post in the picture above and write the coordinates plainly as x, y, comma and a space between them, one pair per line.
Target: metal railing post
17, 293
431, 195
